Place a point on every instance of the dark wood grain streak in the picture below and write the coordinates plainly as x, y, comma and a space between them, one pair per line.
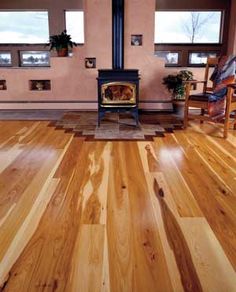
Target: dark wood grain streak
178, 244
92, 211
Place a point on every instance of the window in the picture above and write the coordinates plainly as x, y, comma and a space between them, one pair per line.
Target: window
5, 59
200, 58
171, 58
34, 58
24, 27
188, 27
75, 25
193, 34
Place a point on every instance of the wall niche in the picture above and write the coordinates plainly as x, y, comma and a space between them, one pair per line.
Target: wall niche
40, 85
3, 85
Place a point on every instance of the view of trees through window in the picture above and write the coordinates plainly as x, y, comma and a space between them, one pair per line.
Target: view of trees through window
24, 27
187, 26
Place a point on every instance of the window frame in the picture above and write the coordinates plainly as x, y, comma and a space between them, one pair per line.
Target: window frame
22, 52
200, 64
178, 64
197, 10
186, 48
15, 48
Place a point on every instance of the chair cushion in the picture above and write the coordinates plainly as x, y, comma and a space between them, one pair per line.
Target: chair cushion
200, 97
209, 97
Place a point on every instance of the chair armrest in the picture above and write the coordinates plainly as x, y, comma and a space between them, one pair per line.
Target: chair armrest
194, 81
232, 85
192, 85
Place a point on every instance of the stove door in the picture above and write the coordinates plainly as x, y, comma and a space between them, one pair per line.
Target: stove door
117, 93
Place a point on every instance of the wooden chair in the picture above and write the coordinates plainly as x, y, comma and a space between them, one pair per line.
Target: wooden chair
201, 101
230, 107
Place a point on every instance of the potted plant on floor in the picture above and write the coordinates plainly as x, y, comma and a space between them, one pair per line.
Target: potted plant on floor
175, 83
61, 43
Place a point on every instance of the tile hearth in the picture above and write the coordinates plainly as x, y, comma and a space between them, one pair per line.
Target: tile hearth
117, 126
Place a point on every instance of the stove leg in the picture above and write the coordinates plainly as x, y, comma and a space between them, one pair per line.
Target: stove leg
135, 116
98, 121
137, 121
101, 114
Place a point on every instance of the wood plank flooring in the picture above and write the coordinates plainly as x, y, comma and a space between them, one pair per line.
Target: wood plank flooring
128, 216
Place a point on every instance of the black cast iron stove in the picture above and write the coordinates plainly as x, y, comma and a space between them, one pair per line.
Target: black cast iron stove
118, 88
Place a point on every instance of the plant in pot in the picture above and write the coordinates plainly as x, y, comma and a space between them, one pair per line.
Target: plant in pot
61, 43
175, 83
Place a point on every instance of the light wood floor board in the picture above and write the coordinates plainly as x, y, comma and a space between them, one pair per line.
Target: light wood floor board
182, 195
206, 188
87, 264
116, 216
119, 224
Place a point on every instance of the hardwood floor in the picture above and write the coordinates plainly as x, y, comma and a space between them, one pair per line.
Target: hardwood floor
116, 216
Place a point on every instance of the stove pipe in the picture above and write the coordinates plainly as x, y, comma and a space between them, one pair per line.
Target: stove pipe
118, 34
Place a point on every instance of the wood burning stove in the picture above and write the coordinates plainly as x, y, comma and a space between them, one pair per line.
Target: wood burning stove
118, 88
118, 91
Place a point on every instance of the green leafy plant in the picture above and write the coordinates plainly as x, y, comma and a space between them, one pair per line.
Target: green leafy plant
186, 75
175, 83
61, 41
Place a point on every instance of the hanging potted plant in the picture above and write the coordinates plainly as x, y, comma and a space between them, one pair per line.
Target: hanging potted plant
61, 43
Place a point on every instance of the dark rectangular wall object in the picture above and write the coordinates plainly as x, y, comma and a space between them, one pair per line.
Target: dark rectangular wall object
117, 34
191, 4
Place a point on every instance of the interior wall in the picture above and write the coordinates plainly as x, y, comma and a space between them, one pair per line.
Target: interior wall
139, 19
232, 30
71, 81
188, 5
56, 20
55, 8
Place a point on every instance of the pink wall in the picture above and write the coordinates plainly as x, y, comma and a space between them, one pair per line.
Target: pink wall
232, 30
139, 19
70, 79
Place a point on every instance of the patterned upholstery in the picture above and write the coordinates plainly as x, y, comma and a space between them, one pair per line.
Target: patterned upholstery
223, 75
